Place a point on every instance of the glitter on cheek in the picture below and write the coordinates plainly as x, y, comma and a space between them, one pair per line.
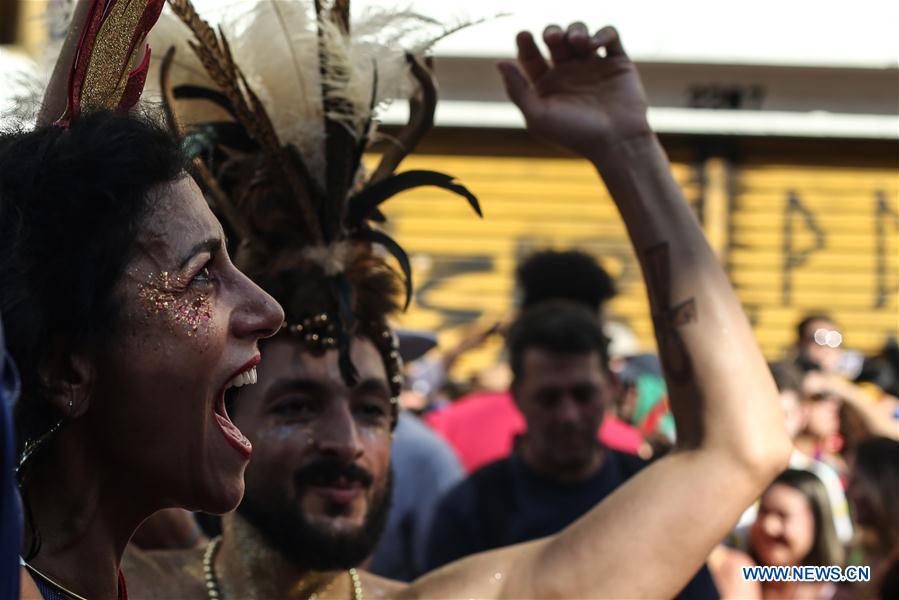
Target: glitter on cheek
154, 300
193, 314
185, 310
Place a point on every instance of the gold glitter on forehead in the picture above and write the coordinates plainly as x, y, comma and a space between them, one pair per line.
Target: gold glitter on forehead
163, 295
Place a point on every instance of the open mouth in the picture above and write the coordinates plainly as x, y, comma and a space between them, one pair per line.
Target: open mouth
246, 375
339, 491
339, 486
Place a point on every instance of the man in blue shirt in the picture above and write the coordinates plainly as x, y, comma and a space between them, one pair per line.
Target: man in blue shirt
424, 468
558, 470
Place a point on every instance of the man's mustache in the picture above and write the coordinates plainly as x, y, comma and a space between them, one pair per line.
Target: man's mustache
325, 471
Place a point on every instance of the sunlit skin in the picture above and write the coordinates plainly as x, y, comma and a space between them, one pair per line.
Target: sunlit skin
300, 410
563, 400
784, 531
731, 438
142, 433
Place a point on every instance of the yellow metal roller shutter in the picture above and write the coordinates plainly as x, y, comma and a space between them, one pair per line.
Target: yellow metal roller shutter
809, 238
464, 268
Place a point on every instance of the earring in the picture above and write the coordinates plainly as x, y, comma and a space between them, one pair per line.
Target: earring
34, 445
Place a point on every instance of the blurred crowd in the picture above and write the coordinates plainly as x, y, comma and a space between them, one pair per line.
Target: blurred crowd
494, 442
256, 427
526, 447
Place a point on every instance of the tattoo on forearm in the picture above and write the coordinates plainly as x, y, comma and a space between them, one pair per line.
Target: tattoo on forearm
667, 318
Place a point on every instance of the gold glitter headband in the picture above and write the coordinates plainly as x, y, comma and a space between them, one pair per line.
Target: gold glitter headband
102, 74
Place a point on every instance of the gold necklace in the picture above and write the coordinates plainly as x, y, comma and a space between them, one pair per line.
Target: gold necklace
49, 581
213, 591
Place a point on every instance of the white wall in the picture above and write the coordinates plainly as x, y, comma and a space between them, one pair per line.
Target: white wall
776, 32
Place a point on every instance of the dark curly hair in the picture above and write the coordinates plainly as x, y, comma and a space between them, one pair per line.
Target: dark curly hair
564, 275
72, 202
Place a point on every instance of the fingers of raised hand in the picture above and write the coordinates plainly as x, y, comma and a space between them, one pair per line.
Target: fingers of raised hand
557, 42
576, 42
578, 39
608, 39
529, 56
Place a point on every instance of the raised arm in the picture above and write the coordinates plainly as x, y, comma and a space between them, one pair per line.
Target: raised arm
649, 537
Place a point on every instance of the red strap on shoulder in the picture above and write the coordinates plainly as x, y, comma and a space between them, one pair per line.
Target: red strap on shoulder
123, 588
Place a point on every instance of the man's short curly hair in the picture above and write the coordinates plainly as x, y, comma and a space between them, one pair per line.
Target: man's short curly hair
558, 326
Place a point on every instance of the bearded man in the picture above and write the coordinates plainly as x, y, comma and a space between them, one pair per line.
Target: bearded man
320, 416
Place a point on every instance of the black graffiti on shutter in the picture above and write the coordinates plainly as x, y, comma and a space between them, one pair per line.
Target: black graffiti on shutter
445, 269
882, 212
793, 257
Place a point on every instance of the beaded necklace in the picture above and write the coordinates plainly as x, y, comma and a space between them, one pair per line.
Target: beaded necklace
213, 591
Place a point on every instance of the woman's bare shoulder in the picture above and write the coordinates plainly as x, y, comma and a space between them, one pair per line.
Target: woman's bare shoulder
375, 586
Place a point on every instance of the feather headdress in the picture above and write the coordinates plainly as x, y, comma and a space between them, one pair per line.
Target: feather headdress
290, 91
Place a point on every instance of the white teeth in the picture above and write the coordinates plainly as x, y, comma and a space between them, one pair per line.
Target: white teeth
241, 379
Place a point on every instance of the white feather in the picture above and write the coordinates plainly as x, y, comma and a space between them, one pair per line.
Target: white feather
276, 46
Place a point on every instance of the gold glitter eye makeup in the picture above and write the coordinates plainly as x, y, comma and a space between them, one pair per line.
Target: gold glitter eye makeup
164, 294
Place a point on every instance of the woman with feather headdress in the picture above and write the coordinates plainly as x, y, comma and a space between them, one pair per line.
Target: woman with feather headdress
283, 171
124, 314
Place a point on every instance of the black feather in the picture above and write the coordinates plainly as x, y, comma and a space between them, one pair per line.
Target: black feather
395, 250
196, 92
346, 321
371, 197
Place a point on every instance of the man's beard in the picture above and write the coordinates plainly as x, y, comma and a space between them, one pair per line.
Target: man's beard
286, 529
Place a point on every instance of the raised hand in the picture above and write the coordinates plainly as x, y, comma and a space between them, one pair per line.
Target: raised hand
586, 98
